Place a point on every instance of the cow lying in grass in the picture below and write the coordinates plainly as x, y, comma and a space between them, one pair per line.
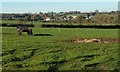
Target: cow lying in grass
24, 28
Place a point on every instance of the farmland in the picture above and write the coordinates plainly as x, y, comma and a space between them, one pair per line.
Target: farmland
45, 50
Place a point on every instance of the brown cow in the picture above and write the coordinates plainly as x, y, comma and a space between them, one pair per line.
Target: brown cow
24, 28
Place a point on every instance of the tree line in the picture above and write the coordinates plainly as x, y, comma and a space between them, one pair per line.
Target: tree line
67, 17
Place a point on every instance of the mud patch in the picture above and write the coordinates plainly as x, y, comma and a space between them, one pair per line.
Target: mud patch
93, 40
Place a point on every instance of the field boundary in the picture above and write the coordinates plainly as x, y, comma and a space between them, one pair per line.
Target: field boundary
81, 26
66, 26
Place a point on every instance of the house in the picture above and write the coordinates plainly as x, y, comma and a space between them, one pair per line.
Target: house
74, 17
8, 16
47, 19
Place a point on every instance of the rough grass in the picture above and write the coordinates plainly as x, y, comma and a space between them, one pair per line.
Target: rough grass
42, 52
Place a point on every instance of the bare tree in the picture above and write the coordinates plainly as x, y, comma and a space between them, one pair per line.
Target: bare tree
26, 19
33, 18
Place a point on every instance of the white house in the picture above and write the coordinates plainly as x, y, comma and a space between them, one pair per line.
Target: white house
47, 19
74, 17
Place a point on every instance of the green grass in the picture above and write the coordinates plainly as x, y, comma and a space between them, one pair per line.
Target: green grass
75, 15
47, 52
38, 23
28, 22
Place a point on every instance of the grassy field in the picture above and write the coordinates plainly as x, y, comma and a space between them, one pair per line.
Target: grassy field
46, 51
28, 22
75, 15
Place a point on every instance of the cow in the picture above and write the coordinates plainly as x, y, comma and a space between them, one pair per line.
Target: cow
23, 28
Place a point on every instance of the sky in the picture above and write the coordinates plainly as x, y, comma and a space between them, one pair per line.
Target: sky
60, 0
35, 7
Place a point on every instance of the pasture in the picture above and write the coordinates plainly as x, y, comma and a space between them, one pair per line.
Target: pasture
46, 50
